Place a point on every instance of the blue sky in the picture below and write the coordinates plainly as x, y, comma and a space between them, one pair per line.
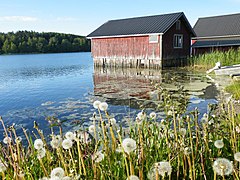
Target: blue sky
81, 17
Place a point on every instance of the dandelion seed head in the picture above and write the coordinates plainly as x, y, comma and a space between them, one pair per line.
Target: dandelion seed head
219, 144
222, 166
153, 115
98, 156
56, 178
152, 173
56, 141
113, 121
67, 144
91, 128
142, 115
70, 135
237, 156
187, 151
7, 140
96, 104
38, 144
41, 153
129, 145
103, 106
3, 167
170, 113
18, 139
66, 178
57, 173
204, 119
238, 129
132, 177
164, 167
182, 131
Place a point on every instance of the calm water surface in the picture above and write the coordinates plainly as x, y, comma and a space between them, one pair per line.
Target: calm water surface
33, 87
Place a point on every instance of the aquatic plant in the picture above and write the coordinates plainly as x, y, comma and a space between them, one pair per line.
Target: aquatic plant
182, 145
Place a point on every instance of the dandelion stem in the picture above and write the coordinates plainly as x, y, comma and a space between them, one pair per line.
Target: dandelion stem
80, 156
44, 169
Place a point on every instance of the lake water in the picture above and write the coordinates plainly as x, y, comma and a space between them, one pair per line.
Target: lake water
33, 87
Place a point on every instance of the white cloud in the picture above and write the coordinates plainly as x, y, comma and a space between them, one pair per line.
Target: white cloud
18, 19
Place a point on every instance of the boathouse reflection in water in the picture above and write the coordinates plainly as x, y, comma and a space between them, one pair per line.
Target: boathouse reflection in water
135, 87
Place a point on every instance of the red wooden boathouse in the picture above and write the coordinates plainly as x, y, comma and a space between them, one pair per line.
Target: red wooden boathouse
151, 41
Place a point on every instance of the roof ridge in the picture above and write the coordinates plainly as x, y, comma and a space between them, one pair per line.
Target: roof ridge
217, 16
145, 16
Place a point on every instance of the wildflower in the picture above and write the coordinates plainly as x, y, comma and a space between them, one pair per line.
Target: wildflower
96, 104
98, 156
67, 144
38, 144
142, 115
222, 166
91, 128
153, 115
57, 173
7, 140
41, 153
164, 167
237, 156
129, 145
103, 106
70, 135
3, 167
219, 144
56, 141
132, 177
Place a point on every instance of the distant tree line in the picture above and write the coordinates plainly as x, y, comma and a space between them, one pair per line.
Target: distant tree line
34, 42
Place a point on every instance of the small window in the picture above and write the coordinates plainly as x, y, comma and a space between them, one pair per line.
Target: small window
153, 38
178, 41
178, 25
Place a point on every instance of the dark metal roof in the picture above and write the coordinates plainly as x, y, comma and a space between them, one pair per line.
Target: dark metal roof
139, 25
218, 26
216, 43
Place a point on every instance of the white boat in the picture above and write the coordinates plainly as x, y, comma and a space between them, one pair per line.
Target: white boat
228, 70
225, 70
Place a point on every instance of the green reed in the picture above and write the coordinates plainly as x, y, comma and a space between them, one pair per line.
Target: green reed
209, 60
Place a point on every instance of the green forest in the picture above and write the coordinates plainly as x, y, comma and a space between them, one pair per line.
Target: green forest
33, 42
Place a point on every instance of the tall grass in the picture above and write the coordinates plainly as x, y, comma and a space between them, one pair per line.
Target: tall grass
180, 146
209, 60
234, 89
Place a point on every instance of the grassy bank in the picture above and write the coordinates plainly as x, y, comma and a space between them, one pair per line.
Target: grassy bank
234, 89
180, 146
209, 60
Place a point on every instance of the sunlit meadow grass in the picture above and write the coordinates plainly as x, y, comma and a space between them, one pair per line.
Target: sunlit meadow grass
234, 89
209, 60
180, 146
